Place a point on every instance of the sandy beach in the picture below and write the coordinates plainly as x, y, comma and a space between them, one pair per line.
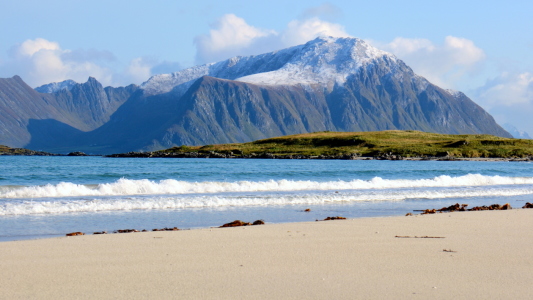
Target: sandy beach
460, 255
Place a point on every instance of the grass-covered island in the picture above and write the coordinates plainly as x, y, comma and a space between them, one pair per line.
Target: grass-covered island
391, 144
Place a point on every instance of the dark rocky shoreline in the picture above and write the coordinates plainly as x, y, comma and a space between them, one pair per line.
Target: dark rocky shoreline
386, 156
214, 154
26, 152
7, 151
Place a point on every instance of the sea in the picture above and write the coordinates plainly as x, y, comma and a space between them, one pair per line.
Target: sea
44, 197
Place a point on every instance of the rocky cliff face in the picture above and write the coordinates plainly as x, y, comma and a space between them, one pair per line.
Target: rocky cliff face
327, 84
27, 115
223, 111
18, 104
90, 104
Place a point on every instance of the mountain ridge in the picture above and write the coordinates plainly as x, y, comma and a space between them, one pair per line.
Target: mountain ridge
56, 86
335, 84
83, 107
316, 53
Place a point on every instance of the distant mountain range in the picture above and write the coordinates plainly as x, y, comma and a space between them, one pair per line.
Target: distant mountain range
334, 84
515, 132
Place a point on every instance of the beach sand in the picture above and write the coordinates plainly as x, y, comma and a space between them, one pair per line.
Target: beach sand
491, 258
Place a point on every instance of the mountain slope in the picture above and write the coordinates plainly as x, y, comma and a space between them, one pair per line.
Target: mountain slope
56, 86
18, 104
29, 118
90, 103
223, 111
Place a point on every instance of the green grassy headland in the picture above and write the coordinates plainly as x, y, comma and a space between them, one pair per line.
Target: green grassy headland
371, 144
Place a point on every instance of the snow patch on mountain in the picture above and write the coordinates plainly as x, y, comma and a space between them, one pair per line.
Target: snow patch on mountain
454, 93
325, 60
56, 86
163, 83
231, 69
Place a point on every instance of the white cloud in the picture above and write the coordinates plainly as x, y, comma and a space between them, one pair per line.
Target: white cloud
299, 32
232, 36
139, 69
31, 47
445, 64
229, 35
509, 98
40, 61
404, 47
508, 89
463, 51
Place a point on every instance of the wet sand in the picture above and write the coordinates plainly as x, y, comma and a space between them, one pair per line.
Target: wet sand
459, 255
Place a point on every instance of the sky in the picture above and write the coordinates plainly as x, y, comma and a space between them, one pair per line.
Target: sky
482, 48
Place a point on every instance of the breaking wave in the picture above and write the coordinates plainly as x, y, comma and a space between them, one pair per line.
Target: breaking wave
99, 204
170, 186
125, 194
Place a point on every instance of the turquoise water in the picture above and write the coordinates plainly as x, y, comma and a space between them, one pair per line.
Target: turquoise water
50, 196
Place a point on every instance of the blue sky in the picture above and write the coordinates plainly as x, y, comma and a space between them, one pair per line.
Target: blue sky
483, 48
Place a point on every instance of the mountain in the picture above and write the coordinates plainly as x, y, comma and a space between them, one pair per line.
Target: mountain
56, 86
29, 118
21, 105
335, 84
518, 134
324, 61
91, 103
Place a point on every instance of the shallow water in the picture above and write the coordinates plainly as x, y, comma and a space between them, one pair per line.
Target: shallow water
50, 196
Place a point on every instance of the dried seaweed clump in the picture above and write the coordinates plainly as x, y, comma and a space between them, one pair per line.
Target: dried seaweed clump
334, 218
506, 206
166, 229
462, 207
237, 223
75, 233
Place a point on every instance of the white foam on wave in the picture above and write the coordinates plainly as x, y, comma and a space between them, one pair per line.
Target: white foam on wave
122, 203
170, 186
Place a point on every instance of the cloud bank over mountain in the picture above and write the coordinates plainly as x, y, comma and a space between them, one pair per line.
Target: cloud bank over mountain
233, 36
443, 64
509, 97
40, 61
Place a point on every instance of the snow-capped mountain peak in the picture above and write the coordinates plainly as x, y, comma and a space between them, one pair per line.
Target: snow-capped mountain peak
324, 60
56, 86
